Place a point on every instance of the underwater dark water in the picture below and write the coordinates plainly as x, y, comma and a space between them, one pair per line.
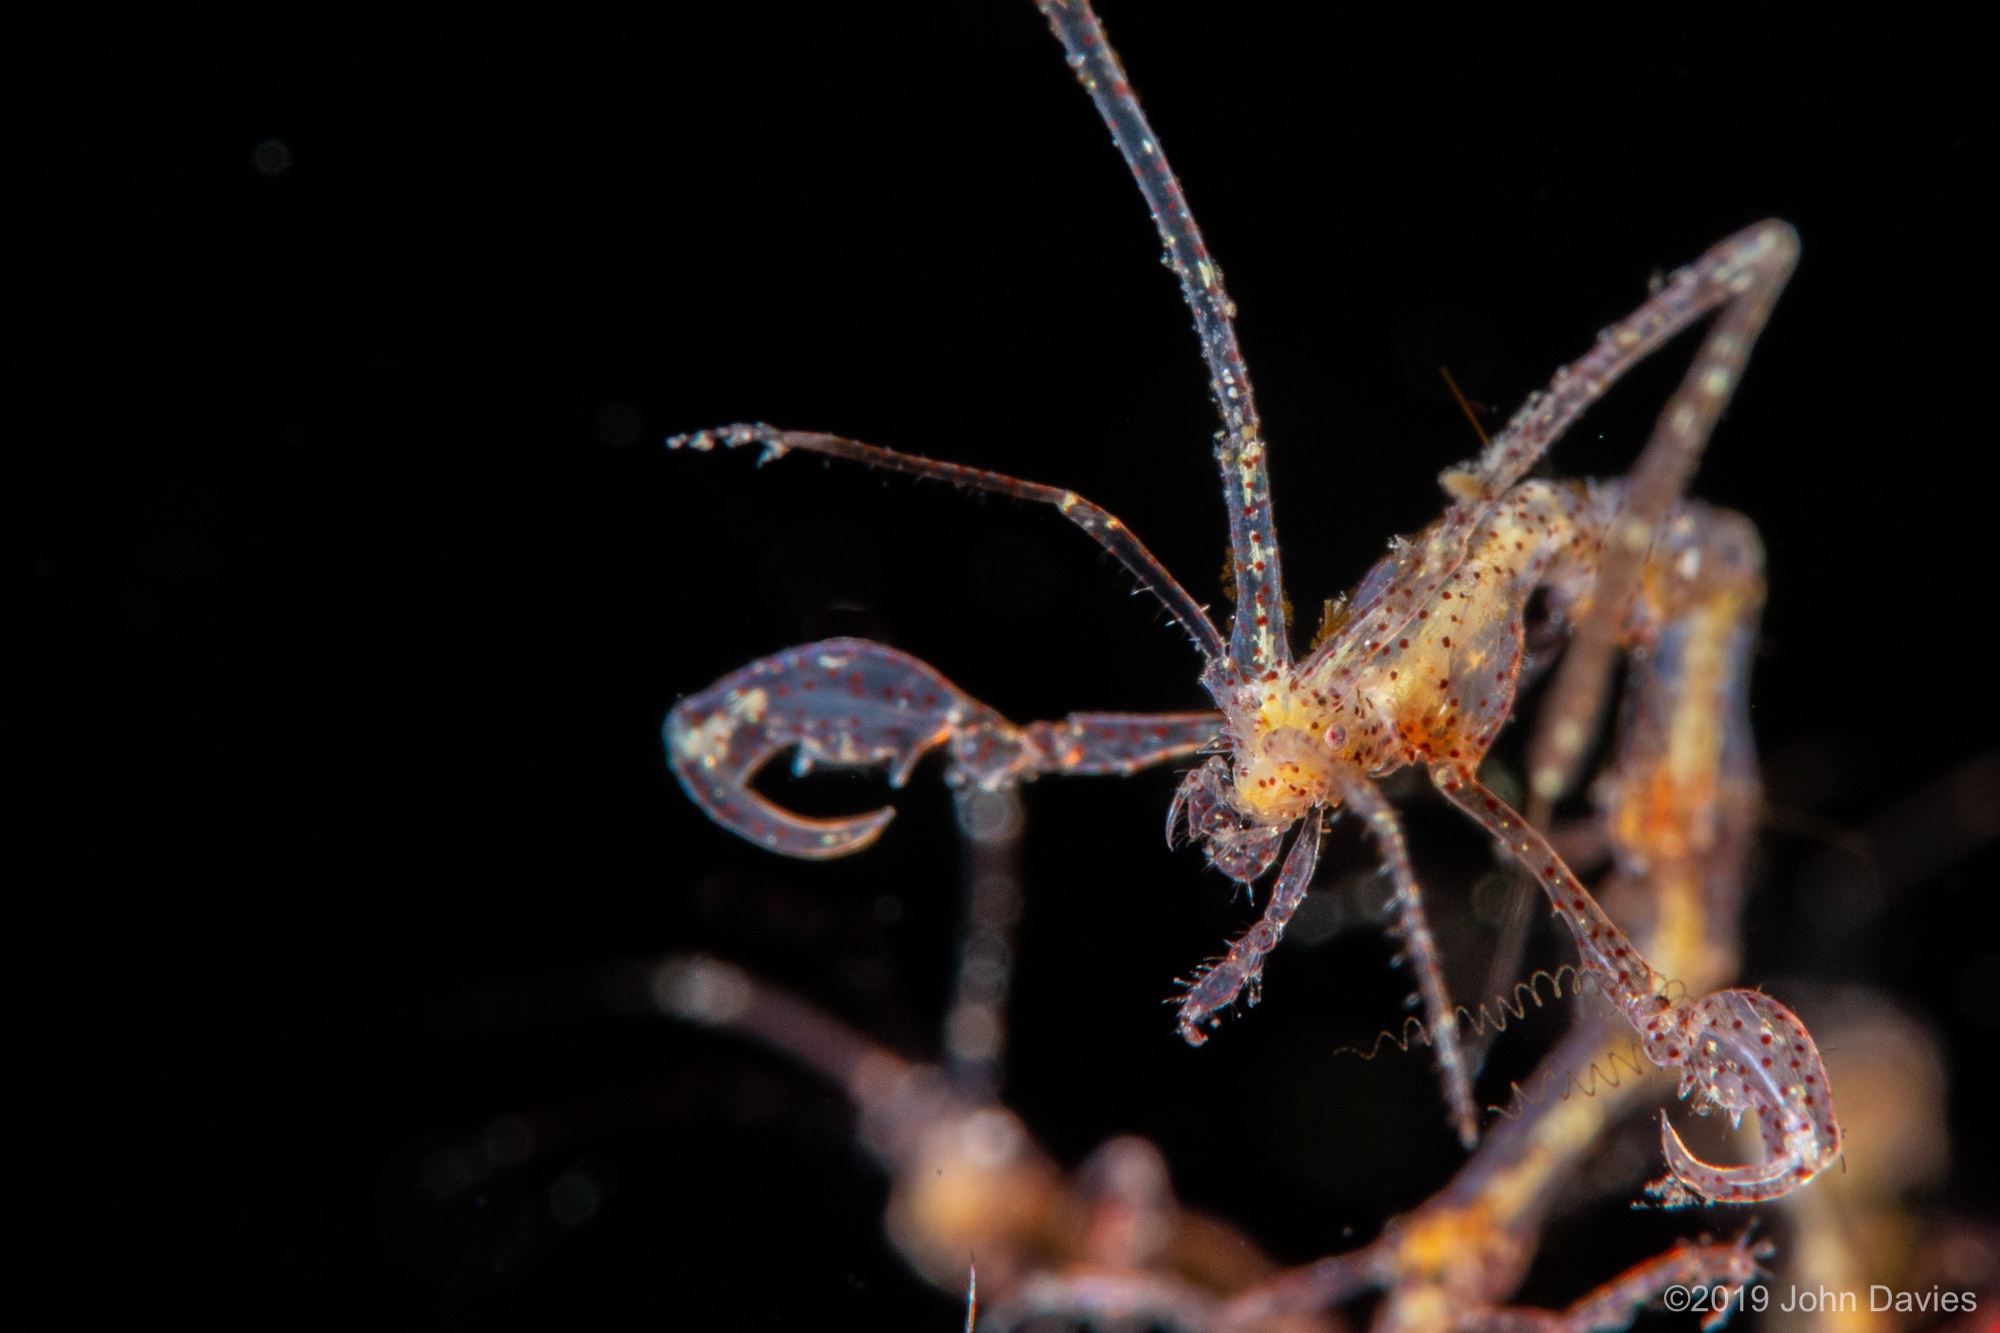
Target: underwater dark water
353, 584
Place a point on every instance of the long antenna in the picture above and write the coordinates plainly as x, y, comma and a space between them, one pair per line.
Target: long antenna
1257, 637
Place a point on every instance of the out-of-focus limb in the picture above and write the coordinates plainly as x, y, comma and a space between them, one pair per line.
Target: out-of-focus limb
967, 1179
712, 993
1855, 1228
1684, 785
1125, 1300
1863, 1225
1724, 1270
1320, 1285
1468, 1246
975, 1027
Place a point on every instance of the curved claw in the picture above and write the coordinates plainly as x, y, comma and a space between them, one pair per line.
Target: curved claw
843, 703
1744, 1051
1238, 847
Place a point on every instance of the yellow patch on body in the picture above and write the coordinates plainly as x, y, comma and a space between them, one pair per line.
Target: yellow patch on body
709, 742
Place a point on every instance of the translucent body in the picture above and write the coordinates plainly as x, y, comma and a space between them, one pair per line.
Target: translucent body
1677, 806
1440, 687
1677, 809
1422, 670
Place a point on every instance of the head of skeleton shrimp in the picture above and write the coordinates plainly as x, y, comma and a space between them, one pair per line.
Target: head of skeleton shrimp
1282, 772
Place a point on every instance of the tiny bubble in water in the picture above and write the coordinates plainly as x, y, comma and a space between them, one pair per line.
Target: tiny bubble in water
574, 1199
271, 157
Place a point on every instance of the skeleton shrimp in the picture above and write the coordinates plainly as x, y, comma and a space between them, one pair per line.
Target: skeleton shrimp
1419, 666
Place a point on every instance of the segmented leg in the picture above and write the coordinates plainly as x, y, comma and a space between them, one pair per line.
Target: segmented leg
1741, 1049
1417, 571
1575, 700
1440, 1017
1618, 1302
1104, 528
1681, 800
1257, 636
1217, 985
1120, 744
851, 703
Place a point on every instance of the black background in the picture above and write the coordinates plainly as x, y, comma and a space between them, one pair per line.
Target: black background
354, 584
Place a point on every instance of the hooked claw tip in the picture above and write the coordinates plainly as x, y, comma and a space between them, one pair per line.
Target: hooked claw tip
1780, 1175
750, 816
716, 777
844, 703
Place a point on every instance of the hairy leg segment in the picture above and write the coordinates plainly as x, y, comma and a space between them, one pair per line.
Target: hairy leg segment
1421, 668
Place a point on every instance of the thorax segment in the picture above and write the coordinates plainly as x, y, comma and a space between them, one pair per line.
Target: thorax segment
1435, 679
